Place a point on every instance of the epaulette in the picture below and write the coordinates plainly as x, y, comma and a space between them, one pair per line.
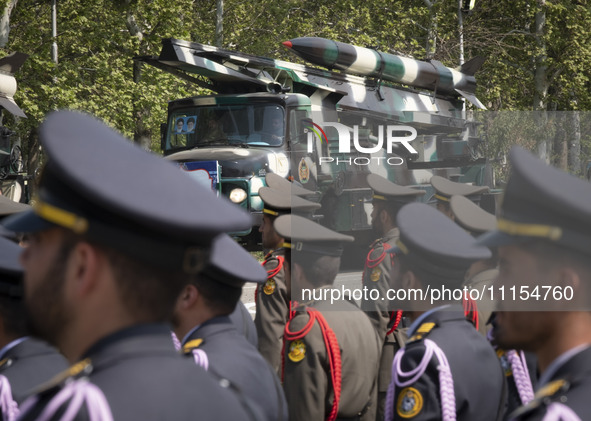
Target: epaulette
373, 245
77, 371
422, 332
552, 392
6, 362
191, 345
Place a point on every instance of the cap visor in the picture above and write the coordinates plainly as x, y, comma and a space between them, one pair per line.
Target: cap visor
498, 238
26, 222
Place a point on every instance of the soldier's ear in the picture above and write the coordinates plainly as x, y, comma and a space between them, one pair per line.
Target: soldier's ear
85, 265
409, 280
188, 296
570, 281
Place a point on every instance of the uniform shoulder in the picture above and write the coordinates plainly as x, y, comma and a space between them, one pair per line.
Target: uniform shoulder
549, 398
273, 263
65, 393
300, 321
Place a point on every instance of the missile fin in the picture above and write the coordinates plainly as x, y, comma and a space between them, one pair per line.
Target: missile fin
472, 98
11, 107
472, 66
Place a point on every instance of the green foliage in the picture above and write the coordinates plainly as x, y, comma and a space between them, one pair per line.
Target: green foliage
98, 39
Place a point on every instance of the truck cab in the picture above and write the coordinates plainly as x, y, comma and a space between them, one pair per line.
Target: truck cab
246, 135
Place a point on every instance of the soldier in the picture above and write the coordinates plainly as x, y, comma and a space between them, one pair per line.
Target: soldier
272, 300
111, 247
209, 336
331, 357
445, 189
388, 198
519, 367
543, 234
439, 373
482, 273
24, 362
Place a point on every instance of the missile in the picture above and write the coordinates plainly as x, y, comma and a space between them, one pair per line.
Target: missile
432, 74
9, 65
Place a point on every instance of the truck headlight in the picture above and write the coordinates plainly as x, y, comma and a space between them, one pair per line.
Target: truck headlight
238, 195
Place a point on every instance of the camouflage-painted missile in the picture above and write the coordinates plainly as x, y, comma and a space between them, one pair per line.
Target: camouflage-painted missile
9, 65
432, 75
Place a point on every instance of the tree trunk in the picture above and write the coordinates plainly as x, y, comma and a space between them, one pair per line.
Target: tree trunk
560, 147
219, 23
141, 133
541, 76
431, 47
574, 145
5, 22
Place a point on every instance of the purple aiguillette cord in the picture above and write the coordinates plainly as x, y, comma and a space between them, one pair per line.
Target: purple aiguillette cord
559, 412
446, 384
8, 406
520, 372
175, 341
201, 359
521, 376
77, 392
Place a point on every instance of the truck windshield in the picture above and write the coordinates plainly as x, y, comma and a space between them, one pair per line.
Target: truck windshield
248, 125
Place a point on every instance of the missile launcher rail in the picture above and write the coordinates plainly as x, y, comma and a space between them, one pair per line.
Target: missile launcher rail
249, 89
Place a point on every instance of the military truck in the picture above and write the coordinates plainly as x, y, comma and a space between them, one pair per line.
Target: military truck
323, 129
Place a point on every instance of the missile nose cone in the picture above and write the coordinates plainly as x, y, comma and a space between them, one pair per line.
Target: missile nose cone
288, 44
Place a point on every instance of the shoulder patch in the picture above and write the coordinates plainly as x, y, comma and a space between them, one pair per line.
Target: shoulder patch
191, 345
269, 286
410, 402
422, 331
297, 351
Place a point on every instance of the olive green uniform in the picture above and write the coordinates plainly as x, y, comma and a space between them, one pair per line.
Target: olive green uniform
376, 275
307, 375
272, 309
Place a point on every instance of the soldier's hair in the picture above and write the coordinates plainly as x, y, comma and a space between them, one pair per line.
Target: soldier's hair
12, 312
148, 292
219, 297
320, 270
426, 277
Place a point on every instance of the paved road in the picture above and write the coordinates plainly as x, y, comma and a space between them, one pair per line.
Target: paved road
347, 279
